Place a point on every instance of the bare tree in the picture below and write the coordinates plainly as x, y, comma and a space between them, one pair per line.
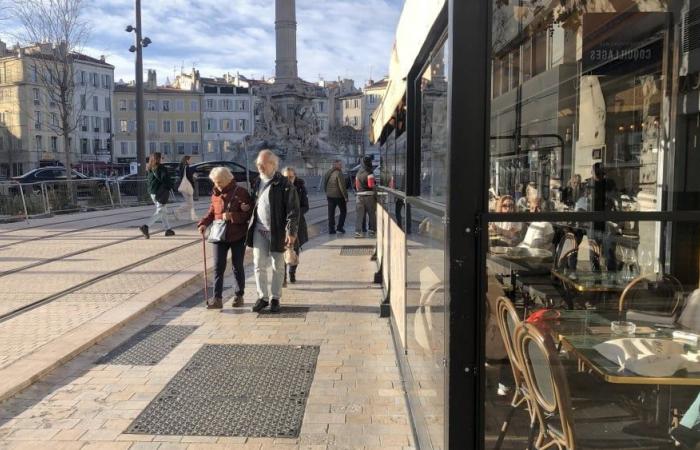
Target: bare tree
57, 29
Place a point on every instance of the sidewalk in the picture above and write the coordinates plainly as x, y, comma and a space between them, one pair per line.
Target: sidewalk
355, 400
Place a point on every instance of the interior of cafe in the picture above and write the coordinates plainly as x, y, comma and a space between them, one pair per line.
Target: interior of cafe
539, 225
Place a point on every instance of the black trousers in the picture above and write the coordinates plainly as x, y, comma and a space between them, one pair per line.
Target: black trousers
332, 204
221, 250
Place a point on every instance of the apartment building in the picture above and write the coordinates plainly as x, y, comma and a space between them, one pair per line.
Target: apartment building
227, 113
30, 120
173, 121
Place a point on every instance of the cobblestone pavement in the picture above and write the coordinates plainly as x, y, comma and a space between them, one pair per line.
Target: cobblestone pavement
356, 399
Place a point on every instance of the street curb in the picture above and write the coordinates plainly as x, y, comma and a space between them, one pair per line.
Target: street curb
24, 372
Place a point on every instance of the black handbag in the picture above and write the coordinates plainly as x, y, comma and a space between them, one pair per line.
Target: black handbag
163, 195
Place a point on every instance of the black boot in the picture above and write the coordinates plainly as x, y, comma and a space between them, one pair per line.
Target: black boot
260, 305
275, 305
144, 230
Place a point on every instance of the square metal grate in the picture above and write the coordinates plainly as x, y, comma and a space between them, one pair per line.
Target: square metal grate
357, 250
286, 312
149, 346
234, 390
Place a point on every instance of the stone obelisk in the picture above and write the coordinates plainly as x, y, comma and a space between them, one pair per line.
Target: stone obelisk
286, 41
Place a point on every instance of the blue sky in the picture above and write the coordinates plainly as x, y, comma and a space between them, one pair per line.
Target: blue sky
335, 38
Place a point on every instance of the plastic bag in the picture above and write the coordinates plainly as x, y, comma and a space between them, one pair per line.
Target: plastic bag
290, 257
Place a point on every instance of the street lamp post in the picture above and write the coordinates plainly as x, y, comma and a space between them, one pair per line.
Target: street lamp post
139, 44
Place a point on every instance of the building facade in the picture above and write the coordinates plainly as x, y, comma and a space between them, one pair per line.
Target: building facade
173, 121
30, 130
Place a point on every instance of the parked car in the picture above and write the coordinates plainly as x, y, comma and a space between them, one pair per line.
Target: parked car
52, 176
204, 184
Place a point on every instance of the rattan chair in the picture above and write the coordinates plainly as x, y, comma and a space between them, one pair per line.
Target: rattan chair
508, 322
550, 397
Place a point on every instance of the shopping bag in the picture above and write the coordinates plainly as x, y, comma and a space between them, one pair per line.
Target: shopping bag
185, 187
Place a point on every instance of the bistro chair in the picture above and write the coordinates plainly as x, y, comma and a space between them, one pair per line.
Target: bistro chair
554, 409
565, 247
656, 298
508, 322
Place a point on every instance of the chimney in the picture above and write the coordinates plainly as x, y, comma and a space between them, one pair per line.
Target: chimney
102, 58
151, 82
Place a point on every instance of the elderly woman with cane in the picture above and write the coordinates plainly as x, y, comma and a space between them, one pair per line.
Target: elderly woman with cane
229, 213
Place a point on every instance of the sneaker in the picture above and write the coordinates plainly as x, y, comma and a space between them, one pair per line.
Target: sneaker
292, 278
260, 305
144, 230
503, 390
275, 305
215, 303
169, 233
358, 235
331, 232
341, 230
237, 301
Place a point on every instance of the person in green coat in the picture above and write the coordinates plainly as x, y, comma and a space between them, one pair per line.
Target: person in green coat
159, 186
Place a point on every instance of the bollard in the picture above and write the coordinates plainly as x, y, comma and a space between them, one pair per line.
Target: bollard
109, 192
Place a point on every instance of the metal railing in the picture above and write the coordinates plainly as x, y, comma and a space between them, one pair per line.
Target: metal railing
21, 201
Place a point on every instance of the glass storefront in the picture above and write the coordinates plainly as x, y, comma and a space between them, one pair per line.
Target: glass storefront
549, 226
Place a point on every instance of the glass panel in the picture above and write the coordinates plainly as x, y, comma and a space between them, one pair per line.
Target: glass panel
591, 104
617, 304
433, 127
425, 321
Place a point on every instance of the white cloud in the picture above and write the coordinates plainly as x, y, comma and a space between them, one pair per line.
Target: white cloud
335, 38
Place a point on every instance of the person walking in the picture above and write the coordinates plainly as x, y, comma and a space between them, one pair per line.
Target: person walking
231, 203
186, 188
272, 228
366, 198
302, 233
159, 186
336, 192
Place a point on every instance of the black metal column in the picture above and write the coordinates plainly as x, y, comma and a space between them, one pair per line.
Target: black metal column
469, 85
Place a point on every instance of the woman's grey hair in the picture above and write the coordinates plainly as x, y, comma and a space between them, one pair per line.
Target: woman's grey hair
222, 175
270, 154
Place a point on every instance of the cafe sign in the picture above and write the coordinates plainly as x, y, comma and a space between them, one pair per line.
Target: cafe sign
621, 42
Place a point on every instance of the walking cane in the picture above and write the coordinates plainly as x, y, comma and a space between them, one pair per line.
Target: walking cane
206, 281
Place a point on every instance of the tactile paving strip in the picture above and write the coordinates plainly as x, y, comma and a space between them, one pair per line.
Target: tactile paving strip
234, 390
149, 346
357, 250
286, 312
194, 300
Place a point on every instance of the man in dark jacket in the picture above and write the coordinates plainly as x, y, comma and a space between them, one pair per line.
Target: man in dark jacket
274, 227
334, 185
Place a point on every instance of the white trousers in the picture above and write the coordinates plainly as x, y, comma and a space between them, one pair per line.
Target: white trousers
263, 258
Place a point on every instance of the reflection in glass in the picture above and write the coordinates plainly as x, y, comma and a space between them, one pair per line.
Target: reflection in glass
425, 321
433, 133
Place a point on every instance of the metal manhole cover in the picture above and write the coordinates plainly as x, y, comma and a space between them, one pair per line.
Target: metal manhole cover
357, 250
234, 390
286, 312
149, 346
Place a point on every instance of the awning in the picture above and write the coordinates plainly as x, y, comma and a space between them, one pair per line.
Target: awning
414, 25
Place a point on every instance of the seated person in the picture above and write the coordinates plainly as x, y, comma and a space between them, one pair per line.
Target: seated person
508, 233
539, 235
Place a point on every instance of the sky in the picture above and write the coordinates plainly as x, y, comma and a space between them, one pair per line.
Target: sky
335, 38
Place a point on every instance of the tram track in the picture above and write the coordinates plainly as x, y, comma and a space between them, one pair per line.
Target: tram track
78, 230
89, 249
55, 296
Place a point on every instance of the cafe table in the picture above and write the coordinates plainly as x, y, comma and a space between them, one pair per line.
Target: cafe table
579, 331
591, 281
